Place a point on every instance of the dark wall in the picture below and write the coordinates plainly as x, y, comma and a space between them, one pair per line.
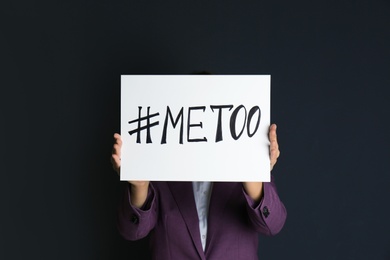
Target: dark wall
60, 79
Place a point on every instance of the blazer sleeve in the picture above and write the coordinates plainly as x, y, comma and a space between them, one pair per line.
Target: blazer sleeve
269, 215
136, 223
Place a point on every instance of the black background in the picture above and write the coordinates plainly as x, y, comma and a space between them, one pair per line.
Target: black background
61, 63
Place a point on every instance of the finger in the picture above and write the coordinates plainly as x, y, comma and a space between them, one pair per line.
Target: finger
116, 162
118, 140
274, 145
116, 150
273, 138
273, 161
272, 133
274, 154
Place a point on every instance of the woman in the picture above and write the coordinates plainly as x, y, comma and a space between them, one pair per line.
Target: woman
201, 220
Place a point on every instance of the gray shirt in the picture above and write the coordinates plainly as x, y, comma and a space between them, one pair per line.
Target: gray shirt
202, 194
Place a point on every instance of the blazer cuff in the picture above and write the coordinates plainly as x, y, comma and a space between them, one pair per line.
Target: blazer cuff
148, 202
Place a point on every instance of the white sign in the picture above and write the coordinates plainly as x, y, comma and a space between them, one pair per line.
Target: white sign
195, 127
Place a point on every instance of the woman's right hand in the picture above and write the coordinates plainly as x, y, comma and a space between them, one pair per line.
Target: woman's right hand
116, 162
116, 153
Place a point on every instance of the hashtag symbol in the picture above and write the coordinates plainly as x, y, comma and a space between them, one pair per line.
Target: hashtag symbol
147, 126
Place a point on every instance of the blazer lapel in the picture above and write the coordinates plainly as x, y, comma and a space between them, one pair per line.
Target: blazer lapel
220, 195
184, 196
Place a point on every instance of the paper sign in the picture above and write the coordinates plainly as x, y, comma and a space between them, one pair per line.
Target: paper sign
195, 127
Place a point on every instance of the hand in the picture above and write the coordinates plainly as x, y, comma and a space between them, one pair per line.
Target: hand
274, 152
116, 153
116, 160
255, 189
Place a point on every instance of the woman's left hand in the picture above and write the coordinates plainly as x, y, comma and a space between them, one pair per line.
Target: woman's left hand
274, 152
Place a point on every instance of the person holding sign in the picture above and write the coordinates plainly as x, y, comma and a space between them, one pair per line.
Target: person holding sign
201, 220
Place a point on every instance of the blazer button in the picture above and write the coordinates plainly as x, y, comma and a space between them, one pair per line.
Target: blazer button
266, 212
134, 219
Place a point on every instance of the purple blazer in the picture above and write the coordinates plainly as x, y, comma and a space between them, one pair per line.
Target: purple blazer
234, 221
